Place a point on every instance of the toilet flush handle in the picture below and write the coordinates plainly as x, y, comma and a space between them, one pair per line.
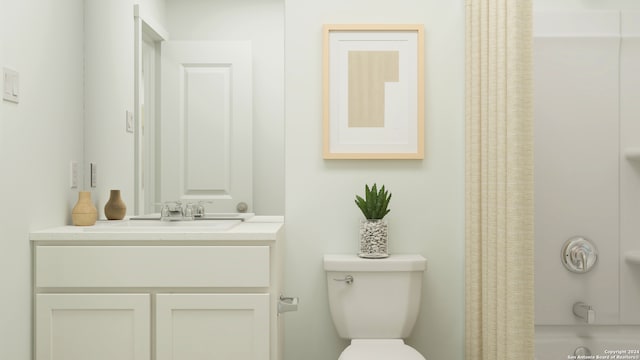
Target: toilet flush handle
347, 279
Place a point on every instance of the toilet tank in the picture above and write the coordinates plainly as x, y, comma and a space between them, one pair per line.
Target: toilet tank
381, 302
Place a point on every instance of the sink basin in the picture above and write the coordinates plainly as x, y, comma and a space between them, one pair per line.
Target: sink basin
158, 226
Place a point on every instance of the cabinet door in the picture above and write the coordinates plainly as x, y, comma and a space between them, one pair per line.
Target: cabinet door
212, 327
92, 326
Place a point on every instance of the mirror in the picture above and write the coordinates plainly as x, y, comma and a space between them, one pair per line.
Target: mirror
209, 105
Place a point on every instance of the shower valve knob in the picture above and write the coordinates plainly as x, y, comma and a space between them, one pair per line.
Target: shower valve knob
579, 255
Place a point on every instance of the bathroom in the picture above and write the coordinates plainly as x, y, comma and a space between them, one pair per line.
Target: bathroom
60, 119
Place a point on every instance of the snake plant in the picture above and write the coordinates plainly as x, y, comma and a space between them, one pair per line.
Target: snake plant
375, 203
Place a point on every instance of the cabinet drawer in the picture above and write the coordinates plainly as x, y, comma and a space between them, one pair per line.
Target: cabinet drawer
152, 266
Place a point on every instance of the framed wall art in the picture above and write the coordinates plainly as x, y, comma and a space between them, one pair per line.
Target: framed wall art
373, 92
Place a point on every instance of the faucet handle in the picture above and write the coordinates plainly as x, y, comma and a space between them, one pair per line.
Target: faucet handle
165, 211
200, 209
188, 211
579, 255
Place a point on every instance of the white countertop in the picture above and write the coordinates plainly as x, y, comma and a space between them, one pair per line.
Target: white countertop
257, 228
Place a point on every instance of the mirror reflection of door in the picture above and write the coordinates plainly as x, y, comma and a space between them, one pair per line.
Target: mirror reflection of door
147, 171
148, 38
206, 124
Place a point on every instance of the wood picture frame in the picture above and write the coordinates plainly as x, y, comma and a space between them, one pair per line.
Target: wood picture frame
373, 91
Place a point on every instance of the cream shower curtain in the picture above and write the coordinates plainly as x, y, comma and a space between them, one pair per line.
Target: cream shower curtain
499, 180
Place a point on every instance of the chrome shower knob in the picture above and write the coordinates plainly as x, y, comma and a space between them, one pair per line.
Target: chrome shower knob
579, 255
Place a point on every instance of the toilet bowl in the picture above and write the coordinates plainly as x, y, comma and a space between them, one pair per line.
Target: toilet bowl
380, 349
375, 304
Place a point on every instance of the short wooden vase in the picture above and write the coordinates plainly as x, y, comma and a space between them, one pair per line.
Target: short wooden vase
115, 208
84, 213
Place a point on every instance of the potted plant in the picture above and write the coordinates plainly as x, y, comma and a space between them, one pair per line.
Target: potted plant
373, 229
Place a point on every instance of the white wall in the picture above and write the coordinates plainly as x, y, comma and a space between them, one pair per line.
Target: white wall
427, 208
42, 40
261, 22
153, 9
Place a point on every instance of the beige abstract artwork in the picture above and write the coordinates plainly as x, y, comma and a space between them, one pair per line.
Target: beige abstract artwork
368, 73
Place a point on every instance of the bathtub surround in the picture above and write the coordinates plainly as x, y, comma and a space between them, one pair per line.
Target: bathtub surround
499, 181
586, 95
600, 38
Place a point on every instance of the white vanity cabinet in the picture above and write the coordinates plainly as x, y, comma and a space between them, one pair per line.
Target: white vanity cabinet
162, 296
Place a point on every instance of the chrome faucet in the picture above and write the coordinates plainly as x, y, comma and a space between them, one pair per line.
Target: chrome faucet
172, 210
585, 312
175, 210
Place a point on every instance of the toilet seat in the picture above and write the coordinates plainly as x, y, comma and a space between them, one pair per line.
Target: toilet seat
380, 349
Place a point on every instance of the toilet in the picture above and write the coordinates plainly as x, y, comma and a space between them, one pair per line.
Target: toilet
375, 303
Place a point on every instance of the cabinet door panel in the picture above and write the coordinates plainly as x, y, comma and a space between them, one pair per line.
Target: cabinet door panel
92, 326
212, 326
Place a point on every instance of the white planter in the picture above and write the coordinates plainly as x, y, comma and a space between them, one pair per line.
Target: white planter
373, 238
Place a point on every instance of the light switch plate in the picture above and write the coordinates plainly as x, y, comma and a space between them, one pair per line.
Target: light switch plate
94, 175
74, 175
11, 80
129, 115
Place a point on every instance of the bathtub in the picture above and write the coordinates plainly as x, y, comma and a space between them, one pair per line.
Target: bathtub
602, 342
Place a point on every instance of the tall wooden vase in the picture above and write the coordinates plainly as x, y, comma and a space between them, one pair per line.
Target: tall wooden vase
115, 209
84, 213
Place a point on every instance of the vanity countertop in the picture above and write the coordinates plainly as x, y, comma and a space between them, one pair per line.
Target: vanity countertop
257, 228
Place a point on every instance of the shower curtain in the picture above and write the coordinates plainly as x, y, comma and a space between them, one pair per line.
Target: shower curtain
499, 180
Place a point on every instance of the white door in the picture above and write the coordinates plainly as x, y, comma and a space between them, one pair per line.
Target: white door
212, 327
206, 123
92, 326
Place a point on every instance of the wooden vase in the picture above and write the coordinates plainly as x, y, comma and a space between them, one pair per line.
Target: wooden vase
115, 208
84, 213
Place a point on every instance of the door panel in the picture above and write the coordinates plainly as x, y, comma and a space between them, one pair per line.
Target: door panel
206, 123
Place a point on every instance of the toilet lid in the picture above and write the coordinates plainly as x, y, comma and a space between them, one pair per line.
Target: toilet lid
380, 349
